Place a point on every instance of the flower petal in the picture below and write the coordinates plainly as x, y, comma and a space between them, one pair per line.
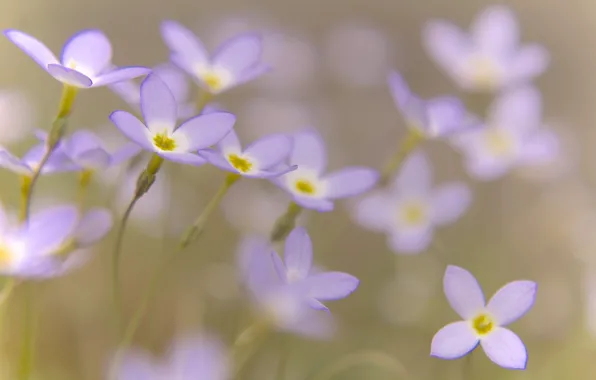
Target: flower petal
69, 76
230, 144
280, 267
512, 301
10, 162
134, 365
372, 212
400, 91
411, 240
350, 181
448, 45
158, 105
129, 91
329, 286
120, 74
239, 54
270, 150
298, 252
519, 110
528, 63
203, 131
542, 148
125, 153
453, 341
449, 202
505, 348
197, 355
446, 115
495, 30
88, 51
215, 158
93, 226
32, 47
183, 43
415, 176
252, 73
486, 167
320, 205
132, 128
186, 158
176, 81
278, 171
47, 230
309, 150
463, 292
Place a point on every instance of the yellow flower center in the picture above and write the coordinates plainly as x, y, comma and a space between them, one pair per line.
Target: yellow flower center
499, 142
213, 81
164, 142
305, 187
239, 163
483, 324
413, 213
5, 256
484, 73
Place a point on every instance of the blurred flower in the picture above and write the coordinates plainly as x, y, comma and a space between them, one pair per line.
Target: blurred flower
235, 62
51, 242
309, 187
436, 117
483, 323
85, 61
512, 137
284, 306
17, 119
261, 159
190, 358
176, 81
160, 134
358, 54
490, 58
58, 161
410, 208
296, 268
253, 209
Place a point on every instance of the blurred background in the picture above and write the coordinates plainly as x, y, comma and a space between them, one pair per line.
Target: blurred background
330, 64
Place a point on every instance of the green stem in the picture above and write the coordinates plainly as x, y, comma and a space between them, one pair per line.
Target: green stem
467, 367
84, 180
411, 142
246, 345
29, 333
144, 183
376, 358
202, 100
285, 223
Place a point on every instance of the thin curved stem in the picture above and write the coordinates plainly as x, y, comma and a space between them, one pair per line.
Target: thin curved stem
246, 345
85, 178
376, 358
285, 223
405, 147
29, 332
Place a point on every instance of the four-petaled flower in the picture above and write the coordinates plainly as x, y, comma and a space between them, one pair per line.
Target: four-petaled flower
437, 117
51, 242
297, 269
410, 208
235, 62
160, 135
190, 357
512, 137
261, 159
490, 58
85, 61
26, 166
483, 323
308, 184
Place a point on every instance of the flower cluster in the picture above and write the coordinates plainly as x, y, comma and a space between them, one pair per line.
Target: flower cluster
289, 293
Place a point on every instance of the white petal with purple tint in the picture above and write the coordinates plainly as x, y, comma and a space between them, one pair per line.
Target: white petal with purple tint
321, 205
495, 30
88, 51
463, 292
512, 301
453, 341
373, 211
183, 43
183, 158
215, 158
69, 76
198, 357
349, 182
309, 150
410, 241
543, 147
119, 75
47, 230
446, 115
158, 105
204, 131
230, 144
239, 53
93, 226
448, 45
269, 150
329, 286
132, 128
505, 348
14, 164
529, 62
298, 253
176, 81
135, 365
519, 110
32, 47
449, 202
415, 176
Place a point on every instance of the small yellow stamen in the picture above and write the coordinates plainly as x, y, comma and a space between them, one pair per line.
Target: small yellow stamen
213, 81
483, 73
305, 187
164, 142
414, 214
483, 324
239, 163
499, 142
5, 256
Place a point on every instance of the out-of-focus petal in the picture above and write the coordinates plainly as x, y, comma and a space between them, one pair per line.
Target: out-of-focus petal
47, 230
529, 62
410, 241
350, 181
298, 252
450, 201
270, 150
463, 292
415, 176
519, 110
12, 163
198, 356
453, 341
183, 43
543, 147
505, 348
512, 301
309, 150
239, 53
321, 205
135, 365
373, 211
92, 227
447, 44
328, 286
495, 30
446, 115
175, 79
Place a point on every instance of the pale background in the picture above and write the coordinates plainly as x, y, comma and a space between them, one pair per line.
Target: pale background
331, 58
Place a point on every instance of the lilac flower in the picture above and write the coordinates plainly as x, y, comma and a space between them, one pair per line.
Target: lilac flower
47, 245
308, 184
176, 81
26, 166
85, 61
195, 357
410, 209
160, 135
283, 306
297, 269
488, 59
436, 117
235, 62
512, 137
261, 159
484, 323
